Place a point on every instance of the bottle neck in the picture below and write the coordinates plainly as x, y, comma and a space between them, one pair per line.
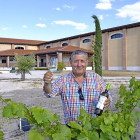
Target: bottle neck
106, 90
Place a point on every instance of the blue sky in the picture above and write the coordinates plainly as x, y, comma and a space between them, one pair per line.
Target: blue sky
54, 19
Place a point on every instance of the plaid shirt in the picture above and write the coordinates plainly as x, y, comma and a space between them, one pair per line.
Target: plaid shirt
66, 86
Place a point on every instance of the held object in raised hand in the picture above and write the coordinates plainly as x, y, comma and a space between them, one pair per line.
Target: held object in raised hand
100, 106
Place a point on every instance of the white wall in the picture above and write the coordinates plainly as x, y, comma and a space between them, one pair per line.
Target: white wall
66, 58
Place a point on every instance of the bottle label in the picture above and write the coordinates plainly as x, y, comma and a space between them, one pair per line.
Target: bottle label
101, 102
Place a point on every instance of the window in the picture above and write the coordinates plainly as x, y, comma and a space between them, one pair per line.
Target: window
3, 61
118, 35
65, 44
47, 47
19, 48
86, 40
11, 59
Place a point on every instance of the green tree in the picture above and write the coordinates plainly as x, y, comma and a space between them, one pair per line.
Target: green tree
97, 47
24, 64
61, 66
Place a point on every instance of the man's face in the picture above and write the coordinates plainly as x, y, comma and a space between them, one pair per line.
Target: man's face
79, 64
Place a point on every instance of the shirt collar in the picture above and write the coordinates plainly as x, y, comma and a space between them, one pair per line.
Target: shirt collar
85, 75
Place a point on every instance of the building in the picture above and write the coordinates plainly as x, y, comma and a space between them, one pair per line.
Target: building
121, 48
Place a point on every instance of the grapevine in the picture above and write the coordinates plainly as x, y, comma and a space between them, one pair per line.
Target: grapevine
117, 125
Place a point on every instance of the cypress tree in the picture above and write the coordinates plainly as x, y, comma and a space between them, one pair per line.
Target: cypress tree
97, 47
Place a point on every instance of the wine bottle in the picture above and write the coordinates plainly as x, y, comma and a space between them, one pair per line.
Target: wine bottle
100, 105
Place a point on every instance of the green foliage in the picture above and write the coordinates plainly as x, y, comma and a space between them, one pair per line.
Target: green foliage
61, 66
24, 64
45, 123
118, 125
1, 135
44, 68
97, 47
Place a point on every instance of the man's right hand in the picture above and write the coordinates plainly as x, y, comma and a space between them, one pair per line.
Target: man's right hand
48, 76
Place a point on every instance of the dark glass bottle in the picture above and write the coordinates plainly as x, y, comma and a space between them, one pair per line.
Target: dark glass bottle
100, 106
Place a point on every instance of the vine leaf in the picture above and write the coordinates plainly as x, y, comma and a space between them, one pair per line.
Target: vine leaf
56, 116
137, 92
42, 115
104, 136
14, 107
117, 128
21, 110
105, 128
7, 112
125, 137
131, 130
46, 115
34, 135
83, 136
1, 135
58, 136
88, 126
92, 135
75, 125
6, 100
138, 103
108, 120
66, 132
36, 111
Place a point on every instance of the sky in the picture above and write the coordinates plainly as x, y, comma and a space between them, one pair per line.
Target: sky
48, 20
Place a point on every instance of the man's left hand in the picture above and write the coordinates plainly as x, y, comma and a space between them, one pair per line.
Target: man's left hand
107, 103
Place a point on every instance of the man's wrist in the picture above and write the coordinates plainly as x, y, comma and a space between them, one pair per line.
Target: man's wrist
48, 82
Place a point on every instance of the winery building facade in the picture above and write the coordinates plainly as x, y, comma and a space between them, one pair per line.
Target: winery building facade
121, 48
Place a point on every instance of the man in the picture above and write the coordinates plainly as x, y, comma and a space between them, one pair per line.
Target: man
79, 88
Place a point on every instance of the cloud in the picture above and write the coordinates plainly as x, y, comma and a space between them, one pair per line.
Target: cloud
24, 26
69, 7
41, 25
101, 17
5, 28
78, 26
58, 9
104, 4
132, 11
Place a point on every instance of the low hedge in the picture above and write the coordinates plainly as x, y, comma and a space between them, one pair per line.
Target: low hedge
47, 68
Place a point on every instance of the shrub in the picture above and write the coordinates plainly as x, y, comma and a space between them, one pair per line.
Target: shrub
47, 68
61, 66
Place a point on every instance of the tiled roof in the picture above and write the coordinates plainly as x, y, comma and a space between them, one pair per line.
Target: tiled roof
44, 51
13, 51
20, 41
36, 42
93, 33
61, 49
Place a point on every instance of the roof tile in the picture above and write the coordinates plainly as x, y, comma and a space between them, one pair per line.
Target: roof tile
43, 51
20, 41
